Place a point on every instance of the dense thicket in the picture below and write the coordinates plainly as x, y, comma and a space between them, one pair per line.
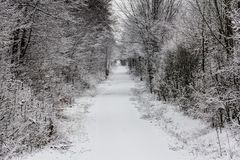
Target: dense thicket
49, 52
188, 52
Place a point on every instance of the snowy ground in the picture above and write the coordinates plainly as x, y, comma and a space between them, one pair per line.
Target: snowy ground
191, 135
115, 125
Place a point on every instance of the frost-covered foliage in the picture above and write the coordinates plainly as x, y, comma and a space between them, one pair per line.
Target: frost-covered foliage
189, 53
193, 135
49, 52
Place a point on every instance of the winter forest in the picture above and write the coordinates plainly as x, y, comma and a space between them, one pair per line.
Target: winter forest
119, 79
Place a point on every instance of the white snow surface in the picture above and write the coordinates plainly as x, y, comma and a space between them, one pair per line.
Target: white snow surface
115, 130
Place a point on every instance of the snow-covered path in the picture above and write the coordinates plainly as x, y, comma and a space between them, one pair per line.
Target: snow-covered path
115, 128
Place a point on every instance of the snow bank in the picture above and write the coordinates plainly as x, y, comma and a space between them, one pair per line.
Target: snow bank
193, 135
72, 136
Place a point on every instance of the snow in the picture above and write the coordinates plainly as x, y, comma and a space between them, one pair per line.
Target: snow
191, 135
115, 130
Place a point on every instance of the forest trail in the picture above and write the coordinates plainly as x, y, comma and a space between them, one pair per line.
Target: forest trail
115, 128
